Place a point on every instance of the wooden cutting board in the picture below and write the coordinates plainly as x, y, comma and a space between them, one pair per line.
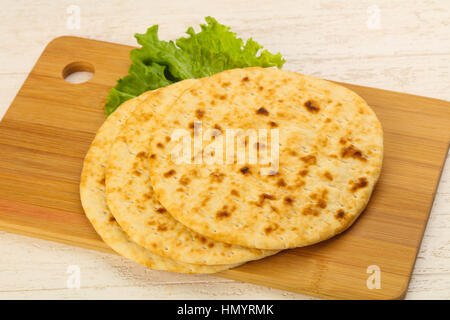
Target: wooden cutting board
51, 123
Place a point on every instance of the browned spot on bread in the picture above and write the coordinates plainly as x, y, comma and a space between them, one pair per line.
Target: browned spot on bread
169, 173
293, 153
147, 196
245, 170
327, 120
298, 184
217, 176
160, 145
161, 210
321, 203
245, 79
303, 172
274, 209
328, 175
194, 173
217, 127
191, 125
262, 111
260, 88
153, 156
213, 102
199, 113
167, 138
273, 124
352, 152
264, 196
259, 146
227, 245
200, 238
211, 244
281, 182
309, 160
112, 219
361, 183
312, 106
323, 141
310, 211
185, 180
270, 229
342, 141
141, 155
267, 196
234, 192
222, 214
102, 181
162, 227
340, 214
222, 97
225, 84
194, 92
179, 189
205, 201
146, 116
137, 173
288, 200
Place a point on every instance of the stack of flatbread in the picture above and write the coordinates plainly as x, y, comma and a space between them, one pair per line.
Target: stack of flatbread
207, 174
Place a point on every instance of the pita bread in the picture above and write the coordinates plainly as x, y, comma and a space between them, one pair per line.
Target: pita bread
330, 156
93, 198
132, 202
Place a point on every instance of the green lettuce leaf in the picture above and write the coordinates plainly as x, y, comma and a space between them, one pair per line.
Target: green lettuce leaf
159, 63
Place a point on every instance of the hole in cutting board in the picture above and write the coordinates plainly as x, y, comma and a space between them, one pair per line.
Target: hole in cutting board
78, 72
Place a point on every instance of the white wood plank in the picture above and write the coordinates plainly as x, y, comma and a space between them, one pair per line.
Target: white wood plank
409, 52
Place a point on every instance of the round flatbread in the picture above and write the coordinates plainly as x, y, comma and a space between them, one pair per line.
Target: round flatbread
93, 199
134, 205
330, 149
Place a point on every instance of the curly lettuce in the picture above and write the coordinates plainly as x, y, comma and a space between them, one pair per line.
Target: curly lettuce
158, 63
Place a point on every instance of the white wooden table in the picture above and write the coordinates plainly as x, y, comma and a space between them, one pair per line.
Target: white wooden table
401, 45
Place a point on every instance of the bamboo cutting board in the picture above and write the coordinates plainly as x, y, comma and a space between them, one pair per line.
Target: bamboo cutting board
51, 123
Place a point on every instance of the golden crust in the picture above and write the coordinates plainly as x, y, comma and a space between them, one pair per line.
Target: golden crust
92, 192
134, 205
330, 157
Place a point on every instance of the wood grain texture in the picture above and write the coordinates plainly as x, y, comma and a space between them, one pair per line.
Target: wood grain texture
410, 52
48, 129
